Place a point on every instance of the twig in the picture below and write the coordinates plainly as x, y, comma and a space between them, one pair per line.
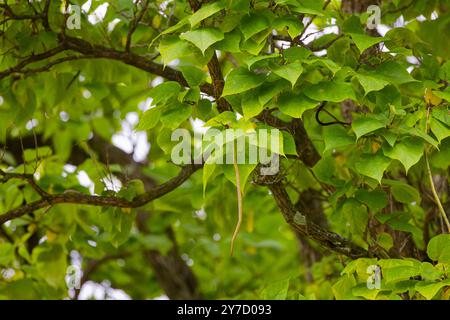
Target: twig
239, 198
430, 176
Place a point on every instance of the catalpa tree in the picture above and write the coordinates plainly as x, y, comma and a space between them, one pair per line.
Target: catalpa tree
272, 149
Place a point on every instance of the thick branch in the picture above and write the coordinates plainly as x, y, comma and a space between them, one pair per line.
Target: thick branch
300, 222
76, 197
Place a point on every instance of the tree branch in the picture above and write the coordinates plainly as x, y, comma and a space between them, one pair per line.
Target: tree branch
302, 224
76, 197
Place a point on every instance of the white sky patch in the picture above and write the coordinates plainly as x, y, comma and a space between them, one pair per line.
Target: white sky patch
400, 22
32, 124
157, 81
187, 259
201, 214
146, 104
101, 291
434, 15
113, 24
85, 181
8, 273
86, 6
99, 14
92, 243
198, 125
1, 100
174, 63
69, 168
383, 29
421, 18
412, 60
86, 94
42, 240
320, 53
64, 116
130, 140
121, 141
112, 183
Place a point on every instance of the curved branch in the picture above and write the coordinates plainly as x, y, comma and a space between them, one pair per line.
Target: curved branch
300, 222
75, 197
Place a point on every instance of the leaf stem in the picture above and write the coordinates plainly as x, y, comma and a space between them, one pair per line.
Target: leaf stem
430, 176
239, 198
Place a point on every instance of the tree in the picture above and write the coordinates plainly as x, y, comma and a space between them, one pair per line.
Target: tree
105, 176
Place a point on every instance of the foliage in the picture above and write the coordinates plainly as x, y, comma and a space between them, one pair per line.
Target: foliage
365, 148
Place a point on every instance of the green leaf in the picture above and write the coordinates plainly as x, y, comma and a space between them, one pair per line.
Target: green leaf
172, 48
293, 54
240, 80
332, 91
342, 289
276, 290
336, 137
222, 119
268, 90
230, 43
244, 172
204, 108
208, 170
419, 133
203, 38
356, 216
256, 59
253, 24
430, 272
443, 94
51, 263
375, 200
327, 63
372, 165
180, 24
403, 192
314, 7
290, 72
439, 129
364, 41
194, 76
429, 289
206, 11
367, 124
437, 248
164, 91
295, 105
149, 119
175, 114
251, 106
408, 151
385, 240
397, 274
391, 72
293, 25
289, 146
371, 82
7, 253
